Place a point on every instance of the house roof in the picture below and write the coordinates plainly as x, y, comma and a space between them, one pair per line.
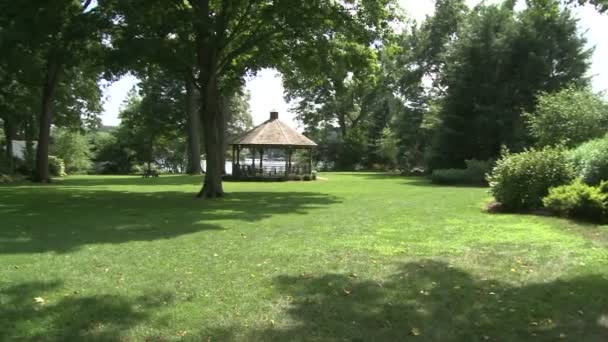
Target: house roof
273, 132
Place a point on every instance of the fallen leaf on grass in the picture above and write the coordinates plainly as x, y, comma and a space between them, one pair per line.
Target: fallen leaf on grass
39, 300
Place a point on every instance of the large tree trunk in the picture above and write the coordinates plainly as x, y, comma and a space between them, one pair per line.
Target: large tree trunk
41, 174
212, 123
208, 63
194, 128
9, 135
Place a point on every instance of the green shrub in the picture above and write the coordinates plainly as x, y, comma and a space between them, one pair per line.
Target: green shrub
570, 116
577, 200
478, 170
11, 178
520, 181
603, 187
591, 160
74, 149
56, 166
450, 176
475, 173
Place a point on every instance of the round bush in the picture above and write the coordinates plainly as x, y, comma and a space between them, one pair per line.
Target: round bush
591, 160
56, 166
520, 181
577, 200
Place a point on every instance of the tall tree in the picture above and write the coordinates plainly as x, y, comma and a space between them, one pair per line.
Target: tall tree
501, 60
333, 88
66, 35
235, 36
159, 34
600, 5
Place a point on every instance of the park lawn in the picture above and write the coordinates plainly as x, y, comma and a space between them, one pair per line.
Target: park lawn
354, 257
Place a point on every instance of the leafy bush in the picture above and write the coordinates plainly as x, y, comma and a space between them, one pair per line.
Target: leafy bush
475, 173
56, 166
570, 116
603, 187
591, 160
11, 178
450, 176
520, 181
74, 149
478, 169
577, 200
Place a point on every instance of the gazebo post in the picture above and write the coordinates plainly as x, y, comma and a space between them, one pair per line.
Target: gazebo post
238, 159
252, 151
287, 161
261, 161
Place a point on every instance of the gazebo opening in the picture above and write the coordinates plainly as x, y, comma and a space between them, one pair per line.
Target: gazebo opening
272, 150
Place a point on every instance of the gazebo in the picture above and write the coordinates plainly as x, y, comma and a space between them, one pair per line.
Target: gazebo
271, 135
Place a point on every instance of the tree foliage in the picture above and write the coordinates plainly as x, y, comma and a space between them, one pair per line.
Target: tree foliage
74, 149
501, 60
570, 117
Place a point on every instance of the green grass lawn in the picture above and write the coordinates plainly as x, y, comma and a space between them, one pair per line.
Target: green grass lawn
356, 257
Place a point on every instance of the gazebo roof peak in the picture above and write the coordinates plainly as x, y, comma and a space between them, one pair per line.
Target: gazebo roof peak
274, 132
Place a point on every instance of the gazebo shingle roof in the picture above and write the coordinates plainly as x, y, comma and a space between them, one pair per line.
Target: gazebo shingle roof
273, 132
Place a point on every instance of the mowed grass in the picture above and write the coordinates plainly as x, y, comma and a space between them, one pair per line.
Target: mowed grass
355, 257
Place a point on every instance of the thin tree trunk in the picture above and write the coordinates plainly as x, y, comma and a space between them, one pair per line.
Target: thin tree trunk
342, 124
222, 121
210, 115
41, 174
194, 127
9, 135
30, 136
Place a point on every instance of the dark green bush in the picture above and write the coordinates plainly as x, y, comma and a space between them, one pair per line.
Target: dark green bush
56, 166
11, 178
603, 187
450, 176
591, 160
478, 170
520, 181
577, 200
475, 173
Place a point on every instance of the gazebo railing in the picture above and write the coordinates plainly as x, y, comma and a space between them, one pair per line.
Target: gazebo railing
272, 170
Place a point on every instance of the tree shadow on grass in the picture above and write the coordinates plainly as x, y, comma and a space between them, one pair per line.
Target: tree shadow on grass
131, 180
71, 318
432, 301
423, 181
62, 219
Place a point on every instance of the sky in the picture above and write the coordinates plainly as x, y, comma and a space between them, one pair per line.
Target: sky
266, 87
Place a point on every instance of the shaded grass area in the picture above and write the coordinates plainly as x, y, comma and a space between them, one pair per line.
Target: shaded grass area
358, 257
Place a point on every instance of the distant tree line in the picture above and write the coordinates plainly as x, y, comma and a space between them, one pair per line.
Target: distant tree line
375, 89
